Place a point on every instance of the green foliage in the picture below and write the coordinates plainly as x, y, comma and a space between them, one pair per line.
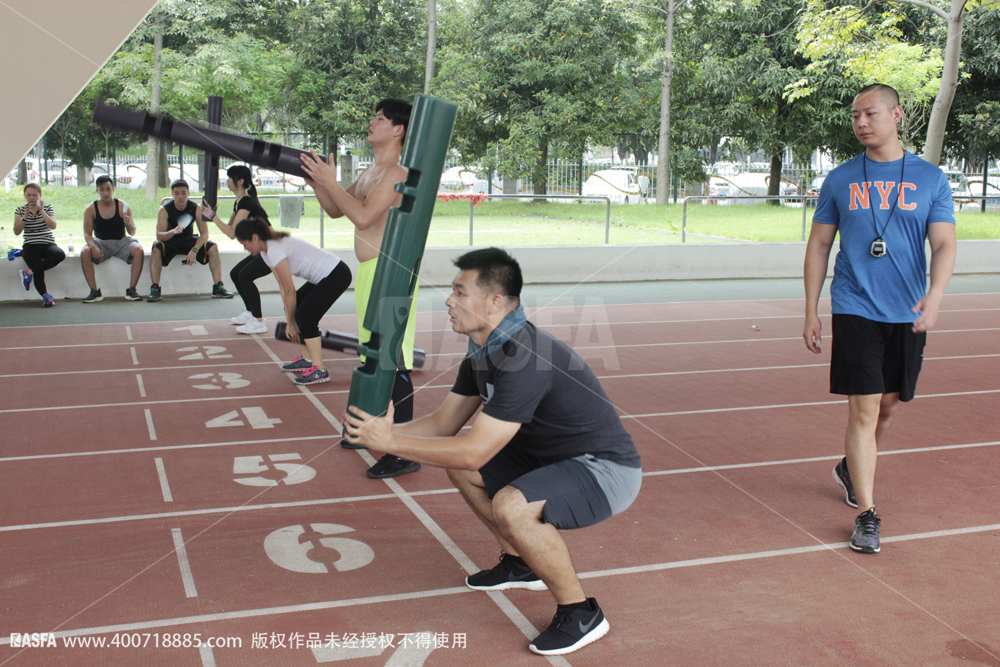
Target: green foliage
974, 125
749, 62
893, 43
354, 53
530, 73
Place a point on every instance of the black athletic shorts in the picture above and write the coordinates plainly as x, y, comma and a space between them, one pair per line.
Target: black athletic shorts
182, 247
875, 357
578, 492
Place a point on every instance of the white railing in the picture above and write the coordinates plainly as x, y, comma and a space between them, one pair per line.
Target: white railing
804, 198
472, 203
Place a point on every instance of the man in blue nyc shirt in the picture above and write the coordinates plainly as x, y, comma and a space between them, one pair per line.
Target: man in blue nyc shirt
885, 203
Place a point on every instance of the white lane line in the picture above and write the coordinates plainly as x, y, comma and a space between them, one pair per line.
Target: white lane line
174, 401
353, 362
149, 424
547, 326
161, 472
185, 565
142, 388
351, 322
329, 362
207, 656
458, 590
164, 448
734, 558
770, 368
512, 612
794, 405
814, 459
427, 387
218, 510
431, 492
135, 359
128, 332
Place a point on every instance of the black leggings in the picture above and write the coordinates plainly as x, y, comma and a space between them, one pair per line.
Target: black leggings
40, 258
312, 301
243, 276
402, 398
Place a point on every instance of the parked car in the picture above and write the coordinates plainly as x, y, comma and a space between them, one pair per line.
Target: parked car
59, 173
959, 184
621, 186
132, 176
755, 184
457, 180
191, 172
32, 171
992, 190
718, 186
268, 179
816, 185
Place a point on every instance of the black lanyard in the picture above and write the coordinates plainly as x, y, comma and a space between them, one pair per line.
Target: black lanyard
879, 248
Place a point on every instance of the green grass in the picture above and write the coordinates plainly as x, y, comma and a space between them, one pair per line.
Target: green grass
505, 222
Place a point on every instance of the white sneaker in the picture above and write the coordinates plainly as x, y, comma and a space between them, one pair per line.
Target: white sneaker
243, 318
252, 327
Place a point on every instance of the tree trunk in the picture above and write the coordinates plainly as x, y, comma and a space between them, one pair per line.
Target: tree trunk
540, 175
431, 44
22, 172
774, 182
154, 108
663, 152
162, 168
949, 82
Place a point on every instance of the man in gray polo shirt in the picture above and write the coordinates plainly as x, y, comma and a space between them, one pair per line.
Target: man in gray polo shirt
547, 452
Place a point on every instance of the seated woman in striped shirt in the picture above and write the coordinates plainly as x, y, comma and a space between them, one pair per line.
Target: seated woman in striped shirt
39, 251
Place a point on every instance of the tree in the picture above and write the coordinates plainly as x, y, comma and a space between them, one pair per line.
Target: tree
534, 72
187, 50
750, 62
974, 127
835, 32
354, 53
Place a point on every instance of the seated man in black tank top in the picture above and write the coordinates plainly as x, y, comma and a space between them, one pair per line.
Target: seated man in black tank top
175, 236
105, 223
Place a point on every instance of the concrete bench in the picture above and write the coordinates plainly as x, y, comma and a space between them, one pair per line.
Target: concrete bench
66, 280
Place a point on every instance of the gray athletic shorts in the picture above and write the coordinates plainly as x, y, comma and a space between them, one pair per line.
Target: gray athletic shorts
120, 248
578, 492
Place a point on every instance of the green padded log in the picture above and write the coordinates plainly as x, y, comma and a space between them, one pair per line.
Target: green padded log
427, 139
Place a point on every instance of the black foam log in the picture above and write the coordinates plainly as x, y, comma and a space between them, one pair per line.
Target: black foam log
218, 142
341, 342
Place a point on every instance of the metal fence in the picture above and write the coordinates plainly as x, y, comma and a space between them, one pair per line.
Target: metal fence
564, 177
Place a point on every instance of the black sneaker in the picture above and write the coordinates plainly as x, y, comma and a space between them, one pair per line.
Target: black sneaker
843, 477
95, 295
510, 572
132, 295
571, 629
392, 466
865, 537
154, 293
219, 291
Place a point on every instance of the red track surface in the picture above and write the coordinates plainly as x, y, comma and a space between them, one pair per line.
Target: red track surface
121, 442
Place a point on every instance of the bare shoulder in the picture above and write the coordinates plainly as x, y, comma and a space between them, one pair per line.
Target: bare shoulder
389, 176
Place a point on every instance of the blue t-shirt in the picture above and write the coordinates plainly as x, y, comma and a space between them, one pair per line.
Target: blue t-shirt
882, 289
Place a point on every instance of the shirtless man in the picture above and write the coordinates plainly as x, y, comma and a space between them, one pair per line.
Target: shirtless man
366, 203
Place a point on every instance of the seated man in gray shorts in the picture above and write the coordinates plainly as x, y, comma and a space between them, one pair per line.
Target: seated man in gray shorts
105, 222
548, 451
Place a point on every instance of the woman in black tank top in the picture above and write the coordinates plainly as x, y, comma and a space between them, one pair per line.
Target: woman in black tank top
251, 268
